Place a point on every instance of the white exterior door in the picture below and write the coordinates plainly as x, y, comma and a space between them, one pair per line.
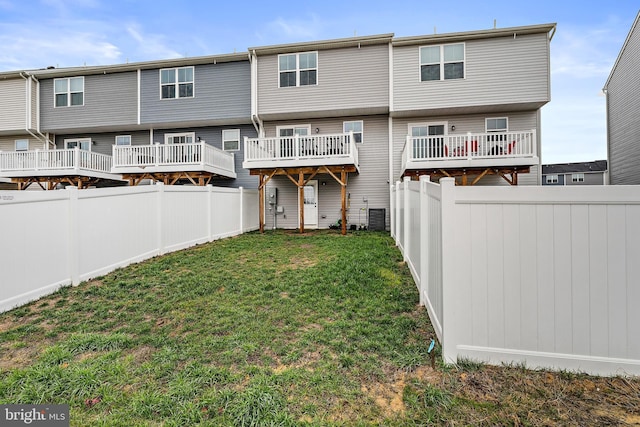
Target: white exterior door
311, 205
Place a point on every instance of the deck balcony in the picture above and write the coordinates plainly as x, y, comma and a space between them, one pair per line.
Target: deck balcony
56, 163
300, 151
196, 157
470, 151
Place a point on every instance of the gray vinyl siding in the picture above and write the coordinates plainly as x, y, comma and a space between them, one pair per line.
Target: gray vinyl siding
518, 121
370, 183
498, 71
623, 104
104, 142
221, 92
348, 79
13, 106
110, 100
589, 179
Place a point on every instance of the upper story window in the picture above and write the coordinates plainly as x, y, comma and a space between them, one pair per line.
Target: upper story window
123, 140
22, 144
442, 62
231, 139
356, 127
577, 177
68, 91
552, 179
298, 69
176, 83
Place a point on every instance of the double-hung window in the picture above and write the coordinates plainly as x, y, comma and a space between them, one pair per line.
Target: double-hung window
442, 62
552, 179
231, 139
498, 127
298, 69
577, 177
123, 140
356, 127
68, 91
22, 144
176, 83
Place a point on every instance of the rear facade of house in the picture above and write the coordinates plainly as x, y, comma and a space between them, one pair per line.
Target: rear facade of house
584, 173
323, 129
622, 91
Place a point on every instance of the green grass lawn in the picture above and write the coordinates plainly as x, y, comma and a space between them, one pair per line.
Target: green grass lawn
276, 329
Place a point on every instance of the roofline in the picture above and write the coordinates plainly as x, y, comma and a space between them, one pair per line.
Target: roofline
478, 34
624, 46
323, 44
118, 68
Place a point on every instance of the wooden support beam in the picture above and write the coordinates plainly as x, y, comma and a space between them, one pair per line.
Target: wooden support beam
343, 196
301, 199
261, 201
479, 177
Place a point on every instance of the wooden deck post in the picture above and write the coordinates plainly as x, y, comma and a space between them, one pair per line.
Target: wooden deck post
301, 199
343, 195
261, 201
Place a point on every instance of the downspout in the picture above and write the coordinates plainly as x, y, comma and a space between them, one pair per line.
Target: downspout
255, 119
40, 137
390, 182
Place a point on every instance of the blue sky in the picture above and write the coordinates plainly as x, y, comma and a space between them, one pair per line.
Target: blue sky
63, 33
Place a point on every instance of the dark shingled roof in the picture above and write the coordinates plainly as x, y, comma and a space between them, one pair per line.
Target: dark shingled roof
560, 168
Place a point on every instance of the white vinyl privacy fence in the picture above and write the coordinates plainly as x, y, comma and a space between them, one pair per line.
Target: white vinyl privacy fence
57, 238
545, 276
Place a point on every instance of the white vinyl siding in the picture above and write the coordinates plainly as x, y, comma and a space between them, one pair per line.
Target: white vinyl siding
14, 104
176, 83
68, 92
231, 139
497, 71
355, 74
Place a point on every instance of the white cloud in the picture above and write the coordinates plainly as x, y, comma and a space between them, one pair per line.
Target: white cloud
150, 46
283, 29
27, 48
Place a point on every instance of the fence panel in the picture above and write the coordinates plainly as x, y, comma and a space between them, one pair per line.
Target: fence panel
542, 276
57, 238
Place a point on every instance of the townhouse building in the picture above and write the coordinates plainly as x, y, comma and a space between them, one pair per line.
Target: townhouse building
174, 121
323, 129
580, 173
622, 91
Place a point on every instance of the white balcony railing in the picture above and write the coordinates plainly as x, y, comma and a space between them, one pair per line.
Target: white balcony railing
173, 157
300, 150
72, 161
471, 149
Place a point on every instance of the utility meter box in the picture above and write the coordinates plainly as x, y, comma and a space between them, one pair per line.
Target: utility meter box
272, 195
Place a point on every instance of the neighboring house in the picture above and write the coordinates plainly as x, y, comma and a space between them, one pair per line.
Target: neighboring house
175, 121
19, 118
323, 150
467, 105
622, 91
585, 173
